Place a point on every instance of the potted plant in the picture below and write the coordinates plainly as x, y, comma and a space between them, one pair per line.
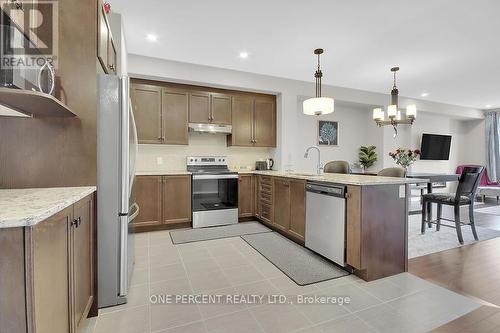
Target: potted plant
367, 156
405, 157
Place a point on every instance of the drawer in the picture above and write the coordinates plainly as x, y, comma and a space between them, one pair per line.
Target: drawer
265, 211
265, 180
266, 188
265, 197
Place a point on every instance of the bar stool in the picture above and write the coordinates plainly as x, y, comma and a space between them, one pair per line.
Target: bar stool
337, 167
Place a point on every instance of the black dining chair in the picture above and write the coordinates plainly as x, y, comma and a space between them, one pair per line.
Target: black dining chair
465, 195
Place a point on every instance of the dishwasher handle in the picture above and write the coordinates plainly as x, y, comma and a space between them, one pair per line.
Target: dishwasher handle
331, 190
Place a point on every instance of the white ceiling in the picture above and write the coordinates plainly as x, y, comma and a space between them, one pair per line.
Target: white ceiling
447, 48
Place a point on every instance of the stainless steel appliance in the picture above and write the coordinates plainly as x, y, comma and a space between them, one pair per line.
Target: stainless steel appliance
325, 220
117, 151
38, 76
266, 164
210, 128
215, 191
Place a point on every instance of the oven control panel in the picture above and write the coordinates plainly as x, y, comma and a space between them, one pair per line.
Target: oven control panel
207, 160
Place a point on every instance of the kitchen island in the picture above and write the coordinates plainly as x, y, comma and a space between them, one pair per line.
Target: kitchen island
48, 257
376, 215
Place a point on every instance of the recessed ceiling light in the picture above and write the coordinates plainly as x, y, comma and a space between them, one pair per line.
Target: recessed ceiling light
243, 55
152, 37
424, 94
487, 106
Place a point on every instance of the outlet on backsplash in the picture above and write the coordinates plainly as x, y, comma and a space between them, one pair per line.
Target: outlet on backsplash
159, 160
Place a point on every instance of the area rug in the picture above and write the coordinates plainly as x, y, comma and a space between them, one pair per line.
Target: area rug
225, 231
300, 264
445, 239
492, 210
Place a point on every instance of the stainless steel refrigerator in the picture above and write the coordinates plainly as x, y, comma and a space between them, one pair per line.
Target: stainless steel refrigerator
116, 153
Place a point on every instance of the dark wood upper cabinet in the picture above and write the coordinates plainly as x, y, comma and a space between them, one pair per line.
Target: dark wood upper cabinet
106, 51
199, 107
111, 56
164, 117
220, 108
254, 122
102, 37
245, 195
148, 194
264, 123
209, 108
175, 116
242, 132
176, 199
147, 106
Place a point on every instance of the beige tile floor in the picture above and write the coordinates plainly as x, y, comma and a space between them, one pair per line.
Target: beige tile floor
231, 267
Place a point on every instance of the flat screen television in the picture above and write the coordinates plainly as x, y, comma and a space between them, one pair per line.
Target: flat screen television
435, 147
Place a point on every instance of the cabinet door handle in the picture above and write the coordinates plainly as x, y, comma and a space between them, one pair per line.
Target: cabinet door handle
76, 222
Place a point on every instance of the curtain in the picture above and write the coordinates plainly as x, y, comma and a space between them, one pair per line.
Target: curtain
493, 145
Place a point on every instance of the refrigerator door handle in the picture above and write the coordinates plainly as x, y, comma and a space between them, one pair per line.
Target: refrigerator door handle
135, 144
125, 145
135, 208
123, 287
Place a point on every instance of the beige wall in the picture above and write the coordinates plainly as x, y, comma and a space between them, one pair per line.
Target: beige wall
174, 156
296, 132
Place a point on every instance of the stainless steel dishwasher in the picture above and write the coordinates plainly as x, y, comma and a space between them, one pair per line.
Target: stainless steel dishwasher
325, 220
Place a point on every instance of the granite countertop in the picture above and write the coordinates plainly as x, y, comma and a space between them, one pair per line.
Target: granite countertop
347, 179
28, 207
162, 173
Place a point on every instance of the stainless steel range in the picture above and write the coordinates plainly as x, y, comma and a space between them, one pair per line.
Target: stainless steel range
215, 191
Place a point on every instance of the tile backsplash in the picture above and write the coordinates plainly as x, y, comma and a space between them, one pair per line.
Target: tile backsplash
173, 157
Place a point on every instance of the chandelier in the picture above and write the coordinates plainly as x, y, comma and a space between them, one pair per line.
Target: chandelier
393, 113
318, 105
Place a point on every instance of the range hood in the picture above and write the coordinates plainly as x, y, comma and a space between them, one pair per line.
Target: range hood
210, 128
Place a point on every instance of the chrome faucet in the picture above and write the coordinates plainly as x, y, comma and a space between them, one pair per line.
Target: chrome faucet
319, 168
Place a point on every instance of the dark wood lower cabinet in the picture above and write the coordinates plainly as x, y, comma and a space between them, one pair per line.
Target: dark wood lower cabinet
52, 267
83, 272
164, 202
49, 285
147, 194
176, 199
377, 238
297, 226
245, 195
281, 203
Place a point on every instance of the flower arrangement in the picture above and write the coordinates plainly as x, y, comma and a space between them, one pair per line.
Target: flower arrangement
405, 157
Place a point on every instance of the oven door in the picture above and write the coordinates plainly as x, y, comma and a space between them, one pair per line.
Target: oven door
215, 200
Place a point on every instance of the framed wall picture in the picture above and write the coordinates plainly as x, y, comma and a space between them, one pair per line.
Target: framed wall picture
328, 133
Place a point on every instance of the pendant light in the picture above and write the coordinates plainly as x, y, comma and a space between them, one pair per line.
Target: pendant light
318, 105
393, 112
